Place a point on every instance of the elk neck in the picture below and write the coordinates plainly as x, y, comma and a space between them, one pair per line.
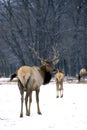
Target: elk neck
45, 74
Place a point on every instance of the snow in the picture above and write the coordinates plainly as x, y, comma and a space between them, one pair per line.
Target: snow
67, 113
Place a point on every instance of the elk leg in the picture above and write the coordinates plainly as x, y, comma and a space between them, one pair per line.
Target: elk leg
22, 96
30, 101
61, 93
61, 90
26, 102
57, 90
37, 100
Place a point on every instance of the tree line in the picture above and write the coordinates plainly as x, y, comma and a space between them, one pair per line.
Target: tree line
43, 24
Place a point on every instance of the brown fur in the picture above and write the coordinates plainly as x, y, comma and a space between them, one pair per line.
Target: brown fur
82, 74
59, 83
30, 79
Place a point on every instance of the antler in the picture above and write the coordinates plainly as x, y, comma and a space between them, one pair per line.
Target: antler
36, 53
56, 54
54, 60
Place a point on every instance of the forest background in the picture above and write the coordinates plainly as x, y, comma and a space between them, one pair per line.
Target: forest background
43, 24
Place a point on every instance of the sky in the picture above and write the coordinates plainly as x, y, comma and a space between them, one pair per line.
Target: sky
69, 112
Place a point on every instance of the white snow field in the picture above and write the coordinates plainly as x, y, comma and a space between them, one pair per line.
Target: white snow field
67, 113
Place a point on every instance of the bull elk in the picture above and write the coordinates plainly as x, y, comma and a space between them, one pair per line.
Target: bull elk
59, 83
82, 74
31, 78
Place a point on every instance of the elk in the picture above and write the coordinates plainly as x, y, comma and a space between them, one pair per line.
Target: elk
82, 74
30, 78
59, 83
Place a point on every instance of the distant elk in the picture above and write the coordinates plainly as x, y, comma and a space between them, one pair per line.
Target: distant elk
59, 83
31, 78
82, 74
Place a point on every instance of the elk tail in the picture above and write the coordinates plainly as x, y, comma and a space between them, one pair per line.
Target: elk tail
13, 76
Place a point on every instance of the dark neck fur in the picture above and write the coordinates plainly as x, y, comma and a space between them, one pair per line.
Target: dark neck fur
47, 75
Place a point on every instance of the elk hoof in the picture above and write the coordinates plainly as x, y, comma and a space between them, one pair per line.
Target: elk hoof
39, 113
21, 115
57, 96
27, 114
61, 96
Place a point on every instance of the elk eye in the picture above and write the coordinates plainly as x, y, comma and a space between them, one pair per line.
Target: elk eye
47, 65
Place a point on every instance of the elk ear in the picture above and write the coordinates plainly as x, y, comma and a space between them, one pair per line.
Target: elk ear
55, 61
43, 62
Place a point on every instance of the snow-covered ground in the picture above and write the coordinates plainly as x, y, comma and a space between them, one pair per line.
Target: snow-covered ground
67, 113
